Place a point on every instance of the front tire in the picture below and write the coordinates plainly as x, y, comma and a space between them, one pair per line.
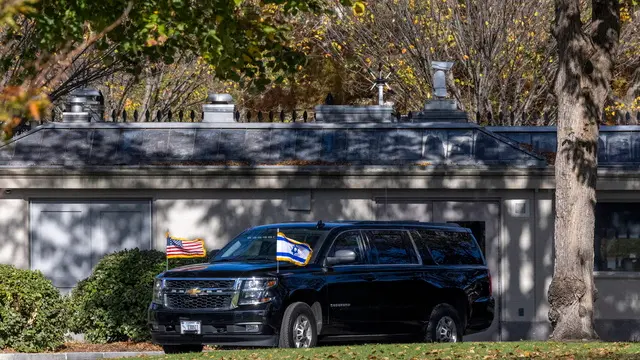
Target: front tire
299, 328
182, 349
444, 325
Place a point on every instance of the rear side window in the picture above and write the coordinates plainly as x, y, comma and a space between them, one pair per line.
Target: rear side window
449, 247
391, 247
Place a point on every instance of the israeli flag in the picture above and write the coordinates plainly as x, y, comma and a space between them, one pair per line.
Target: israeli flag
292, 251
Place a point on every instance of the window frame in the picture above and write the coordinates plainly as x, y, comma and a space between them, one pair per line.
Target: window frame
361, 244
429, 260
406, 233
614, 273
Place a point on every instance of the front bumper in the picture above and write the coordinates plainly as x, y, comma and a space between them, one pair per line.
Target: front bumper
227, 327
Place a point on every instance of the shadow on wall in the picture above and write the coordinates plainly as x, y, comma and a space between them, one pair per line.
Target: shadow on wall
14, 238
217, 216
69, 237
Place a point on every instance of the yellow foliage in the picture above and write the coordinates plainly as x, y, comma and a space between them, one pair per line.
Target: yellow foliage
625, 14
358, 8
18, 103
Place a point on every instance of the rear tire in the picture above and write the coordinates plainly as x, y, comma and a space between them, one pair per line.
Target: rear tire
182, 349
444, 325
299, 327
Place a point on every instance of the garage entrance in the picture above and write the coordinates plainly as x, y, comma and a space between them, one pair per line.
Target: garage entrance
479, 217
482, 217
68, 238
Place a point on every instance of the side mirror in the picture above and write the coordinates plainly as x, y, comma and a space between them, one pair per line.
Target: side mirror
342, 257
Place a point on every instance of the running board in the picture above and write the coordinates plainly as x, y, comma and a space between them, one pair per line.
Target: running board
332, 338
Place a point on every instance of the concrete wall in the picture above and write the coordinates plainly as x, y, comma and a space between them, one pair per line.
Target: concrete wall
617, 310
14, 233
544, 219
518, 266
618, 297
527, 263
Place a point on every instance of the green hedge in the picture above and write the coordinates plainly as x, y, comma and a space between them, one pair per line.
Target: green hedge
111, 304
33, 314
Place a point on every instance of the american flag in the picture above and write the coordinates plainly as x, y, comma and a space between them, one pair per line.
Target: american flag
182, 248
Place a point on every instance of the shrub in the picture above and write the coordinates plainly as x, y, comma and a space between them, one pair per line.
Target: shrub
33, 314
111, 304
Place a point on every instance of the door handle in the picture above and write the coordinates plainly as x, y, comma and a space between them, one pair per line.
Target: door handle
369, 277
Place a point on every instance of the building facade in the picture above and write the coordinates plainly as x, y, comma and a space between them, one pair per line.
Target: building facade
74, 192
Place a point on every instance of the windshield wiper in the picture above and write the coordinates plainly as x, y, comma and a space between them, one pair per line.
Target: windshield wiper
260, 258
225, 260
241, 258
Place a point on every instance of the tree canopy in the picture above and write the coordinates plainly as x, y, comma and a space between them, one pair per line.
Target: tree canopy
163, 55
45, 41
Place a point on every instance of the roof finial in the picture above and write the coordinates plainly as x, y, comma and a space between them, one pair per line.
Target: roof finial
381, 82
440, 78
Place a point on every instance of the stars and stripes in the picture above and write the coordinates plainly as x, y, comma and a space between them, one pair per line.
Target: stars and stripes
183, 248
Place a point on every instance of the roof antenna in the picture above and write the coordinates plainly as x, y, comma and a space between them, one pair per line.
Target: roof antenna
320, 224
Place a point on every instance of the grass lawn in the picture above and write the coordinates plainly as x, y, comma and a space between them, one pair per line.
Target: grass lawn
505, 350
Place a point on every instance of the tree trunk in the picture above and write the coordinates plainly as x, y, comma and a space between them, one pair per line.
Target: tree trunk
582, 84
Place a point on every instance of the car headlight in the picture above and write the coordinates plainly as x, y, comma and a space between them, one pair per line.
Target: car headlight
158, 286
256, 291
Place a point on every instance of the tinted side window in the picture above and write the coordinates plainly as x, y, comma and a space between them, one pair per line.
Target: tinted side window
348, 241
423, 250
449, 248
391, 247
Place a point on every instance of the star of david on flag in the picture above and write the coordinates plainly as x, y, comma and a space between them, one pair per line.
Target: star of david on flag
292, 251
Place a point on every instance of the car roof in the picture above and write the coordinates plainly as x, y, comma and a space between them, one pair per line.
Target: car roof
362, 223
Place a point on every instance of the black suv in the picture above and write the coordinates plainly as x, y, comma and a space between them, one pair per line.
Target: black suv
364, 279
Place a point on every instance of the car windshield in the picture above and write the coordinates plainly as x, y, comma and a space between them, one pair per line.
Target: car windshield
260, 243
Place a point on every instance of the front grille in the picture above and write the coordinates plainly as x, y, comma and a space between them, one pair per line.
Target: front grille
181, 301
202, 284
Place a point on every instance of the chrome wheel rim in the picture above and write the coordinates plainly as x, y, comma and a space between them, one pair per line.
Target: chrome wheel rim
302, 332
446, 330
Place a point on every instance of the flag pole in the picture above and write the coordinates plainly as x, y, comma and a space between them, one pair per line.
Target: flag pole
165, 248
277, 261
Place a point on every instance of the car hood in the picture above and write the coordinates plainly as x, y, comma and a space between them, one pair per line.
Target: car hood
224, 269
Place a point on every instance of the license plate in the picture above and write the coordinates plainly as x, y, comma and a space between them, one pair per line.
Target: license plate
190, 327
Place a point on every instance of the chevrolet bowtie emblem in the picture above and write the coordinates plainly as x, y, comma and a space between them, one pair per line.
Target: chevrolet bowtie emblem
193, 292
